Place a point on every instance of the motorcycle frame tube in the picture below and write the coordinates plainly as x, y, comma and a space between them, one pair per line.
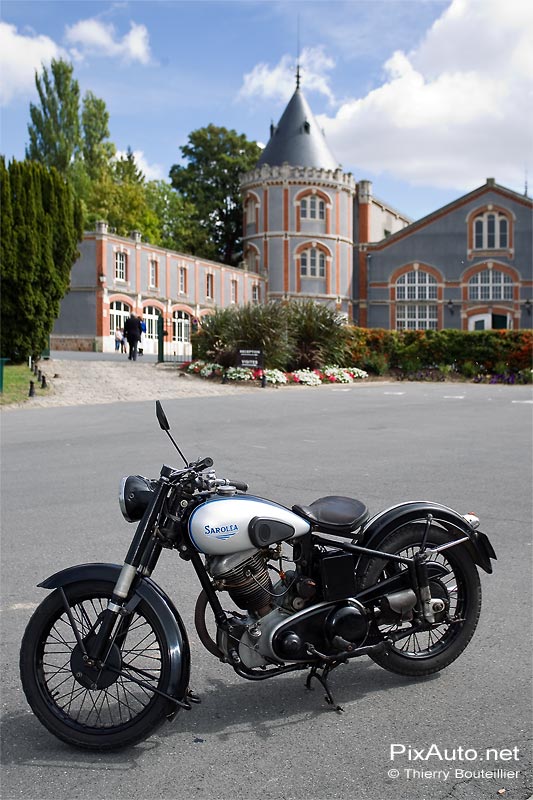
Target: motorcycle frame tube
169, 617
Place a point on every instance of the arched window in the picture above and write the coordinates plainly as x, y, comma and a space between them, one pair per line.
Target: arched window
118, 314
490, 284
416, 285
491, 231
250, 208
312, 207
313, 263
150, 316
251, 259
181, 327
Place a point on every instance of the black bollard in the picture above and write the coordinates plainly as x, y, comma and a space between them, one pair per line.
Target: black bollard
32, 389
39, 375
44, 385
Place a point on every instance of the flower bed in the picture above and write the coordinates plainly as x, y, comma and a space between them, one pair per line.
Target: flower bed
305, 377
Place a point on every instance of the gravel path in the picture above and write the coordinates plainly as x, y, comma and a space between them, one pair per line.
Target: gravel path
73, 383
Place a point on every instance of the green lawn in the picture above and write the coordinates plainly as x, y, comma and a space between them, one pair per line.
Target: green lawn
17, 384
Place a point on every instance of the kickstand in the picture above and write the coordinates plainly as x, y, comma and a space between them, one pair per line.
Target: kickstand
192, 697
323, 679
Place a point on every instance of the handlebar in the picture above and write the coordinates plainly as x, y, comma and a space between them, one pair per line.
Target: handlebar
240, 485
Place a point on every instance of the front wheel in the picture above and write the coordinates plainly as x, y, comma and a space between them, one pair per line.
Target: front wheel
96, 710
423, 652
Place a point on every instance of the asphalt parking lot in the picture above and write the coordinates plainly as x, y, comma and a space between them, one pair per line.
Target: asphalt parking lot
467, 446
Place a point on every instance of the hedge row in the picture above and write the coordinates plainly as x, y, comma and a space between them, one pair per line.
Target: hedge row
468, 353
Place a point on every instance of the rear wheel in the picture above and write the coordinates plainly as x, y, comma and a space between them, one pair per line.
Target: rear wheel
94, 709
423, 652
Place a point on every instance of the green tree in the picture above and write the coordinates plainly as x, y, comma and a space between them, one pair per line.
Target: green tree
210, 181
126, 169
41, 226
179, 228
97, 150
55, 137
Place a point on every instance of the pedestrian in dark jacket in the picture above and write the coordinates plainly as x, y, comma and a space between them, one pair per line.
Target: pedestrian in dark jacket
132, 331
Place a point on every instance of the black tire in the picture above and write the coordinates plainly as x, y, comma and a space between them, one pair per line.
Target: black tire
118, 715
426, 652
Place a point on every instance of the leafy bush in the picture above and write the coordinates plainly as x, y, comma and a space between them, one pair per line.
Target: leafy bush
319, 335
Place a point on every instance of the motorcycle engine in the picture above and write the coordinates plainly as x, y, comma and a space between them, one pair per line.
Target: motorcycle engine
245, 577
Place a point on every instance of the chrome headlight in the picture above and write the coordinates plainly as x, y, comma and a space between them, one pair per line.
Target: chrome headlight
134, 496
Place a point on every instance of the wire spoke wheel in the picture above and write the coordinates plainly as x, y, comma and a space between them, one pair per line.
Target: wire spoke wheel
422, 652
94, 708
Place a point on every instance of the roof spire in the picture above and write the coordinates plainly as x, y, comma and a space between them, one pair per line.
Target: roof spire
298, 51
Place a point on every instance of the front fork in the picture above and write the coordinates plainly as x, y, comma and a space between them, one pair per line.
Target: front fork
140, 560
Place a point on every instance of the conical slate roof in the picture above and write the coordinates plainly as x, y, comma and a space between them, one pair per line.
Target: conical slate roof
298, 139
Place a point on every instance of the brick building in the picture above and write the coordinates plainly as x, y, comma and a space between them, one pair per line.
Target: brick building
313, 231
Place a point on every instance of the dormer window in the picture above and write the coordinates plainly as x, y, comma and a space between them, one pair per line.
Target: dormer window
491, 231
490, 228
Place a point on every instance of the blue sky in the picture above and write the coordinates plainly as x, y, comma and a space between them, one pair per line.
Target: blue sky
426, 98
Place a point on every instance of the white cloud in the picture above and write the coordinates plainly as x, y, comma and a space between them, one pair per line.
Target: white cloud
152, 172
454, 110
21, 56
278, 82
94, 37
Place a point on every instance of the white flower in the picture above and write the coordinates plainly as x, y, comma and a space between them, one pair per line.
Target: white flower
274, 376
239, 374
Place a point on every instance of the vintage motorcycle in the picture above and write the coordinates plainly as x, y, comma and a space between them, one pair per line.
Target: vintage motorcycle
105, 658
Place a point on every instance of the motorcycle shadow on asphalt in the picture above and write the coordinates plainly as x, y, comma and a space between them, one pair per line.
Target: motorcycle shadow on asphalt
260, 708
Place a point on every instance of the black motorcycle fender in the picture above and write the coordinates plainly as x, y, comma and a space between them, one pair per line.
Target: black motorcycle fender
159, 602
379, 527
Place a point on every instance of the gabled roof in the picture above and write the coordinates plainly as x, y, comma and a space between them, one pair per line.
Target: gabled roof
298, 139
489, 186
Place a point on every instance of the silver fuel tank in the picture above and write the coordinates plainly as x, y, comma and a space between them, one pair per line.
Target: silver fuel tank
222, 526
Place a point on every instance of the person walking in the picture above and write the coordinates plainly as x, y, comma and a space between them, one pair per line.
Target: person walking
143, 330
132, 331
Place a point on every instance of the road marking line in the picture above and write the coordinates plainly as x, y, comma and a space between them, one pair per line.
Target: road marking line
454, 397
22, 606
521, 401
395, 393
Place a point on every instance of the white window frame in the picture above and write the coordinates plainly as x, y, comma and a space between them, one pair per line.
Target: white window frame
491, 231
119, 311
416, 285
416, 316
181, 327
313, 263
314, 209
182, 280
121, 266
256, 294
234, 290
210, 286
251, 205
150, 316
490, 284
153, 267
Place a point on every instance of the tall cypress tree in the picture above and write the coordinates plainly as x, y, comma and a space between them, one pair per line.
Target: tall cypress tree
41, 224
